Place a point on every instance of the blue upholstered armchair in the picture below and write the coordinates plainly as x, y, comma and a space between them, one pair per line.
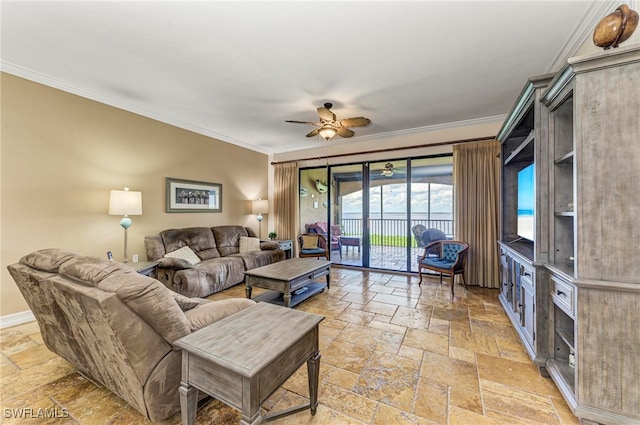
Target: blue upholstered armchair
450, 259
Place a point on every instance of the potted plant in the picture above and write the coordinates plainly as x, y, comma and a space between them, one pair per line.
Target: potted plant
272, 235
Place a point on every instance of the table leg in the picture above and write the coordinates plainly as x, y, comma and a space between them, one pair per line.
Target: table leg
329, 279
287, 299
313, 370
247, 288
188, 403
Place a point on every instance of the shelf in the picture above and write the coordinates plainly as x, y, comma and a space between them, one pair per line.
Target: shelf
560, 369
567, 336
566, 158
565, 214
524, 151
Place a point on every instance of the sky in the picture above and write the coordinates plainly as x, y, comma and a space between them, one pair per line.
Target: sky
395, 199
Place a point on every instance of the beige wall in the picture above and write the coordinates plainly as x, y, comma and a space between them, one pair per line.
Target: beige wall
61, 155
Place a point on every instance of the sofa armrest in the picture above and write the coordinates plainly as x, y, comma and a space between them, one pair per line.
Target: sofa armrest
174, 263
269, 245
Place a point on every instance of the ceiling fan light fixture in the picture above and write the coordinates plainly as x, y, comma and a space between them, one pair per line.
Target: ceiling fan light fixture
327, 132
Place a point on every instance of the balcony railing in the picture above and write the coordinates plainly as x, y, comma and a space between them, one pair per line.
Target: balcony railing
392, 232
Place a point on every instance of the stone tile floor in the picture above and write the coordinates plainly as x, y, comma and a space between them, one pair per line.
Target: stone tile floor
392, 352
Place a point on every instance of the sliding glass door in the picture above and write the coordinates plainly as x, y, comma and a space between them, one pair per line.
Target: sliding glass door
372, 210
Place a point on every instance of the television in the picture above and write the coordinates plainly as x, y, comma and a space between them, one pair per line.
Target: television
526, 201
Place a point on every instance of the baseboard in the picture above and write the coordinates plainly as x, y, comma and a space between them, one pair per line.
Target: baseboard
16, 319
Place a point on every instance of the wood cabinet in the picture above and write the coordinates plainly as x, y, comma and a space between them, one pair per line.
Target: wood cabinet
573, 293
594, 275
524, 287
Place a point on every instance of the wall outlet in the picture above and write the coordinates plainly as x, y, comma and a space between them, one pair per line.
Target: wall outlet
135, 258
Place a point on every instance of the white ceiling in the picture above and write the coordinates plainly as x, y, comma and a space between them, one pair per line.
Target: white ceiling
237, 70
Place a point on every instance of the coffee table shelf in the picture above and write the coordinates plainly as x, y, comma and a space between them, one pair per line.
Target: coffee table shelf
275, 297
286, 277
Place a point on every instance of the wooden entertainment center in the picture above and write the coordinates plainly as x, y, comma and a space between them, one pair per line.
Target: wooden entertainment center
572, 292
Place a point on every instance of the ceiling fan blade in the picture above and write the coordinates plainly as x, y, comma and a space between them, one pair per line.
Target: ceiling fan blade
345, 132
303, 122
314, 133
355, 122
326, 114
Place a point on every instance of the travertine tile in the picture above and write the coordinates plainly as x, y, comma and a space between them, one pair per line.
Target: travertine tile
387, 415
380, 308
523, 406
389, 379
513, 374
428, 341
431, 400
356, 316
348, 403
404, 301
347, 356
449, 371
477, 342
412, 318
465, 399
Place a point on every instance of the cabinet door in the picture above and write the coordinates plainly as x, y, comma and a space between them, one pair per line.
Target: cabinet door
504, 274
528, 311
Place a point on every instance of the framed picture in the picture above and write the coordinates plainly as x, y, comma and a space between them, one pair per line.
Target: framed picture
193, 196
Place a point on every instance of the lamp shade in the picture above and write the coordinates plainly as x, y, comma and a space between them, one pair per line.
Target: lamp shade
261, 206
125, 202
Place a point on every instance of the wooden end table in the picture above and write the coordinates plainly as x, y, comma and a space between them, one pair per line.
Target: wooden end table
242, 359
290, 281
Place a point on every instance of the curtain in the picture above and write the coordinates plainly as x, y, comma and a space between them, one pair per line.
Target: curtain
476, 177
285, 203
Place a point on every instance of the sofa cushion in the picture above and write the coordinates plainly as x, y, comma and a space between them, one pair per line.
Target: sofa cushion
212, 311
184, 253
199, 239
309, 242
47, 260
92, 270
248, 244
228, 238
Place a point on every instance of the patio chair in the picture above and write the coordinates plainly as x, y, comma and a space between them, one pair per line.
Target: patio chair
313, 245
418, 230
450, 260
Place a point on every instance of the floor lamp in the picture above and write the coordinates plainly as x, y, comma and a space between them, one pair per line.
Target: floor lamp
126, 203
259, 207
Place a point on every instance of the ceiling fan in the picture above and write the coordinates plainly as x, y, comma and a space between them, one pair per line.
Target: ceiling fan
389, 170
330, 127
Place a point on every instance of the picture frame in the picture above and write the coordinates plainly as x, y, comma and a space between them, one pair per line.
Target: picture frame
188, 196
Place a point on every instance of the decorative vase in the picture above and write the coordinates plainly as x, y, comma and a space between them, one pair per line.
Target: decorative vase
616, 27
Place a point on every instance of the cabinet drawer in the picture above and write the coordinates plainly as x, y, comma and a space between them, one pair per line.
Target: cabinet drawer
526, 276
564, 296
285, 244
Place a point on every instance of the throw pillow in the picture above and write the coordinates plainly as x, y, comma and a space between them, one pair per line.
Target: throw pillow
309, 242
249, 244
184, 253
185, 303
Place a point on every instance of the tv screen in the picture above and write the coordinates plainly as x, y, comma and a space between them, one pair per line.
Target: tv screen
526, 200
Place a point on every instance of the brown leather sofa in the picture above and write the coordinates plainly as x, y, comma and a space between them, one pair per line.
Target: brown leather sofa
222, 264
115, 326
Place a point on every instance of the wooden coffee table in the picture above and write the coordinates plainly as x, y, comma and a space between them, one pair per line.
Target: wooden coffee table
242, 359
290, 281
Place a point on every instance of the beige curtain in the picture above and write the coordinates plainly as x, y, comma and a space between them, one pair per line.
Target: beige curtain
285, 203
476, 177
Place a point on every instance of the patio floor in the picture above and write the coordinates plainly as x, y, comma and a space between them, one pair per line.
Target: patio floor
381, 257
